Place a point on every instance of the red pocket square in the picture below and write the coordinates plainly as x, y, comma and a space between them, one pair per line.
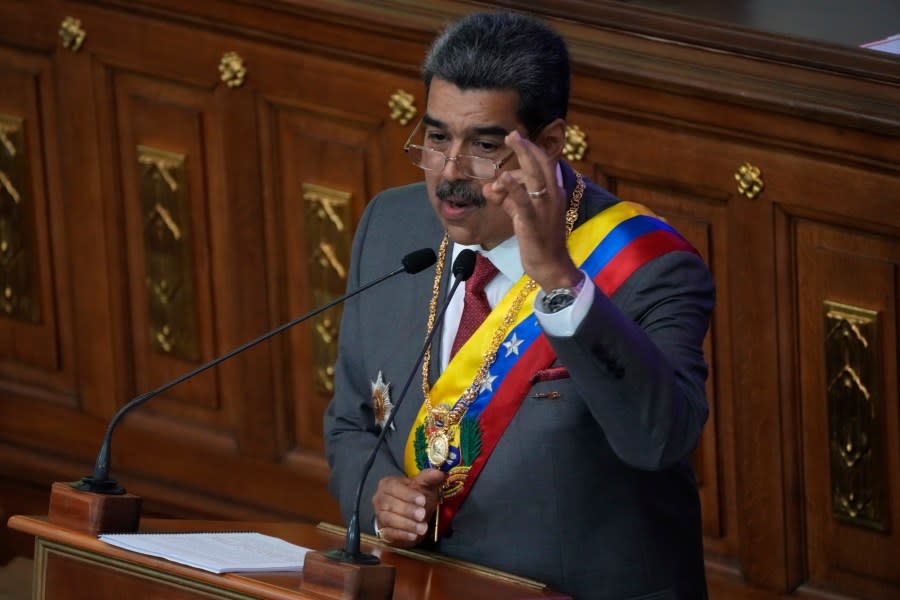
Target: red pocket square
550, 374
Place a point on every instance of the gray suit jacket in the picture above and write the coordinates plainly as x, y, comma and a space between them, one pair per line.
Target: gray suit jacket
590, 492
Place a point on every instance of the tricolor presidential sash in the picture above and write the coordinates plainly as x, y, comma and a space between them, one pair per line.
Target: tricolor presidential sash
628, 238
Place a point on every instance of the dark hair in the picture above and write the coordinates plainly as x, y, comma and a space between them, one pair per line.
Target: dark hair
505, 51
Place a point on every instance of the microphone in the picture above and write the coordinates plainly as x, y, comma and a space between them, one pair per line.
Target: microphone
100, 482
463, 267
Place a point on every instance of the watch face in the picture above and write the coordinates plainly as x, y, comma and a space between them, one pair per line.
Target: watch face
558, 300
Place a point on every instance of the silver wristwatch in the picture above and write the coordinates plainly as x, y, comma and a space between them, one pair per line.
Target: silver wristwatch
559, 298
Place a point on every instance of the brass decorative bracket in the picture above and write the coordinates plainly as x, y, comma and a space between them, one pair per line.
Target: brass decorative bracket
72, 34
749, 180
403, 107
232, 69
576, 143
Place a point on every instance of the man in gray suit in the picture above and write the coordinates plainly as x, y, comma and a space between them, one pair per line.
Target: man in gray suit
565, 389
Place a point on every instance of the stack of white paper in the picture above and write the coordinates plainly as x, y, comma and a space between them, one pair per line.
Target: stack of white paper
230, 552
889, 44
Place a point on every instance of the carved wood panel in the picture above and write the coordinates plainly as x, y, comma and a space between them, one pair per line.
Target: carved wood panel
329, 141
847, 305
332, 154
185, 221
34, 342
324, 164
165, 133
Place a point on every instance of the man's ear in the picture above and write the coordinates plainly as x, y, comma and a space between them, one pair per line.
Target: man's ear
552, 139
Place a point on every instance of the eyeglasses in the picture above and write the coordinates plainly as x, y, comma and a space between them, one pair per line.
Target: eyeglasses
473, 167
468, 165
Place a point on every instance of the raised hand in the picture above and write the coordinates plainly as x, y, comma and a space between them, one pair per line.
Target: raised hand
537, 205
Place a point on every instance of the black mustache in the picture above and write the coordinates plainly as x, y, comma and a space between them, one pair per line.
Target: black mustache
460, 189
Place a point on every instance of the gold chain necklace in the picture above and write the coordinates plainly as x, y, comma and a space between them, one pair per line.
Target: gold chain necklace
440, 420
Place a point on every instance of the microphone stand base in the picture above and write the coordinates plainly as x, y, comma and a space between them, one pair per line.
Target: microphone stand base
91, 512
334, 578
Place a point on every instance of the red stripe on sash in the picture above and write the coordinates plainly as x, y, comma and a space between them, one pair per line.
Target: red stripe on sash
637, 253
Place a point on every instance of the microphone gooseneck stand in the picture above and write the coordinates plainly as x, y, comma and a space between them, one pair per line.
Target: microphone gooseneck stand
462, 270
98, 503
349, 573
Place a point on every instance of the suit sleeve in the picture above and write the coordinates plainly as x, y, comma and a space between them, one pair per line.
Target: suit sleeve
644, 349
349, 423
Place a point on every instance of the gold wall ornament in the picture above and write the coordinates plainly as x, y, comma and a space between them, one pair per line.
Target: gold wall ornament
18, 263
403, 107
328, 240
852, 375
750, 182
576, 143
167, 253
232, 69
72, 34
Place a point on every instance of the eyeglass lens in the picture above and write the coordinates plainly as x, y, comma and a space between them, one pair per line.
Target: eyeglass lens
469, 166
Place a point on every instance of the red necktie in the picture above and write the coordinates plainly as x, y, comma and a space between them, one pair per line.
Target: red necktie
475, 305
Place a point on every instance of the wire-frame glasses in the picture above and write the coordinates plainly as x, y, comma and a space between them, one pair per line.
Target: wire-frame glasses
468, 165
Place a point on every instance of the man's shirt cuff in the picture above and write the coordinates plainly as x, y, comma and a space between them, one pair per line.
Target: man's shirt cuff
565, 322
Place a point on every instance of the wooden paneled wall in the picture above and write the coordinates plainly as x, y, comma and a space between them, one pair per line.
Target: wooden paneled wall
175, 180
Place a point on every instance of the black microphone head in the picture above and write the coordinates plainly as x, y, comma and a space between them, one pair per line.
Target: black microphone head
464, 264
419, 260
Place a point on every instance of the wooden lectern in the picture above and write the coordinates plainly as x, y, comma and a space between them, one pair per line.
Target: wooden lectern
73, 565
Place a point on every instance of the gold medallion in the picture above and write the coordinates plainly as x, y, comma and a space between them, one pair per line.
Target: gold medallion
438, 448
